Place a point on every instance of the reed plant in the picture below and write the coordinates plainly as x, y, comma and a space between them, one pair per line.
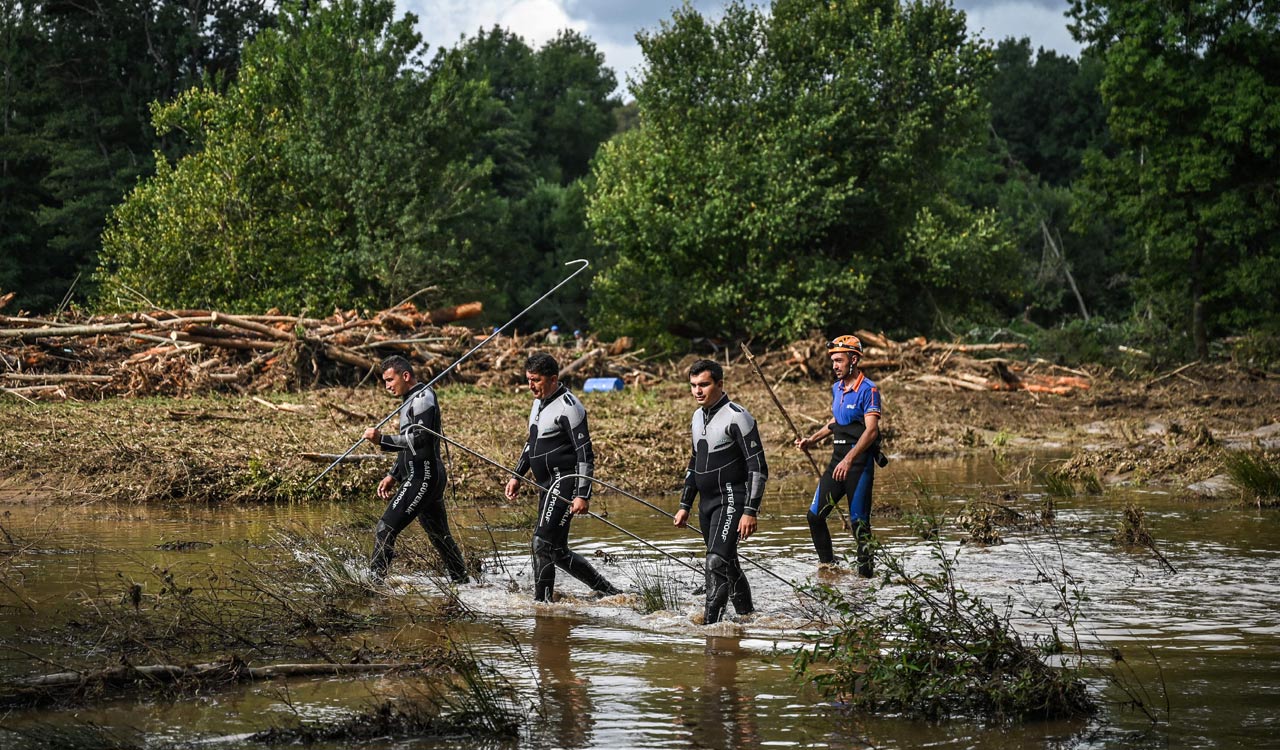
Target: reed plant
1257, 474
658, 589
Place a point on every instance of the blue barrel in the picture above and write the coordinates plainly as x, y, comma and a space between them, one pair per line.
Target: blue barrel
602, 385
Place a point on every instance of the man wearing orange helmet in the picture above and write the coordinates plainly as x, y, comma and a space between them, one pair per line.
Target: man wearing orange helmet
855, 425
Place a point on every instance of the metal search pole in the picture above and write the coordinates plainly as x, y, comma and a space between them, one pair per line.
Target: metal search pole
457, 362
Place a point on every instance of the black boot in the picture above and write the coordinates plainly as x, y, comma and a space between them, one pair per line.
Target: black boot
544, 570
384, 542
717, 594
740, 592
577, 566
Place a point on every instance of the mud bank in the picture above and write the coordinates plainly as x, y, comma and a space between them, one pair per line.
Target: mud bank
1170, 431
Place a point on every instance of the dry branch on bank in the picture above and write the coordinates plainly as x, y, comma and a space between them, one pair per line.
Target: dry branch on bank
183, 352
921, 363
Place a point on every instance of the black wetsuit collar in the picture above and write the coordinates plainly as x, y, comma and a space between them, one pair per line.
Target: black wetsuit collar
542, 402
709, 412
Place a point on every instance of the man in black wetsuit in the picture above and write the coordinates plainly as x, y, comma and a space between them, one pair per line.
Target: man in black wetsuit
419, 471
559, 444
727, 470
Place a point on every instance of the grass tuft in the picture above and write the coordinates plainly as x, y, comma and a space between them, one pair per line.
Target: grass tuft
1256, 474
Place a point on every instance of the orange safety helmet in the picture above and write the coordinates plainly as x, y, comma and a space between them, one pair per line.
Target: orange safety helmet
846, 343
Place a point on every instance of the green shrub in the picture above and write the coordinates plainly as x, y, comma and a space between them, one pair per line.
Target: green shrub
937, 651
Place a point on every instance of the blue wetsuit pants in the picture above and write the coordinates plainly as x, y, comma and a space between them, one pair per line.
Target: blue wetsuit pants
857, 486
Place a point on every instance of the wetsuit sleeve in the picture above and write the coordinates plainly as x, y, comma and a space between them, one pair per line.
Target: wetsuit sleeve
575, 426
524, 464
747, 435
690, 490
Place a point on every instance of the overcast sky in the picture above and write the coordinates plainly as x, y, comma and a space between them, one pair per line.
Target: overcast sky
612, 24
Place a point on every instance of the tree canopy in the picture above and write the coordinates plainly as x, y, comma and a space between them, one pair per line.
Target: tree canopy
76, 81
1192, 91
334, 172
787, 173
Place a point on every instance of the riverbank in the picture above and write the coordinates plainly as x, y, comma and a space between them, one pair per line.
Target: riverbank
1167, 431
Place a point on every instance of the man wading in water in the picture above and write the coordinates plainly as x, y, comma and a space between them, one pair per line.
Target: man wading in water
559, 444
419, 471
727, 470
855, 423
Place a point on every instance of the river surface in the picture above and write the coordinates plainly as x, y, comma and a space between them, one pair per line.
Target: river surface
1203, 638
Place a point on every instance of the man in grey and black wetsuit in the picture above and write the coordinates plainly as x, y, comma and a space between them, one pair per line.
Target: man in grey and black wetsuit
418, 470
559, 445
727, 470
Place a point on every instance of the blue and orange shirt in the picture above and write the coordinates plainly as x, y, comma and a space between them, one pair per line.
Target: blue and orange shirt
850, 407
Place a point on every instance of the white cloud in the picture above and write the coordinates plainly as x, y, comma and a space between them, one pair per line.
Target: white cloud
442, 22
612, 24
1047, 27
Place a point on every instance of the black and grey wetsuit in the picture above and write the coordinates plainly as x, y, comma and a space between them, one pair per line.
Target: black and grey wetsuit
420, 472
727, 470
559, 444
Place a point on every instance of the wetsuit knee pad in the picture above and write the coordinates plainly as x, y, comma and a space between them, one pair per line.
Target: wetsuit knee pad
543, 548
718, 565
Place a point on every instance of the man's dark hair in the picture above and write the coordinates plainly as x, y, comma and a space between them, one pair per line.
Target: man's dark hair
397, 363
707, 365
541, 363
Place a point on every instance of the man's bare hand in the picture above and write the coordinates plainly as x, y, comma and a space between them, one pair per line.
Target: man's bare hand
512, 489
386, 486
682, 518
579, 506
746, 527
373, 436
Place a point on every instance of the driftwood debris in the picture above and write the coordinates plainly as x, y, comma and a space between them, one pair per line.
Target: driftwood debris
41, 688
955, 366
183, 352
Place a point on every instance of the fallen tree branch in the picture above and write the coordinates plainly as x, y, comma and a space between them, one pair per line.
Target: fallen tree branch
55, 377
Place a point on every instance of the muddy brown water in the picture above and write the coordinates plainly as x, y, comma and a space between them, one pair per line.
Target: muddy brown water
1207, 636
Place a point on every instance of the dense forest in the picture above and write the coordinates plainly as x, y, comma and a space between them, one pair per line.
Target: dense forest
856, 164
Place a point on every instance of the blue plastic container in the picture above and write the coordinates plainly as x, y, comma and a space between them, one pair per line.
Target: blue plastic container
602, 385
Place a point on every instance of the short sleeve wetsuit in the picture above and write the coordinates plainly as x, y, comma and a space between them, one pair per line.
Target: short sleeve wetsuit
849, 409
727, 471
420, 495
559, 445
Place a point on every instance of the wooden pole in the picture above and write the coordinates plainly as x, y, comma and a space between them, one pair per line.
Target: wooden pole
844, 522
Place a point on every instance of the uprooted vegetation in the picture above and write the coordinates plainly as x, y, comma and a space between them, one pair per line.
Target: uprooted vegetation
931, 650
936, 652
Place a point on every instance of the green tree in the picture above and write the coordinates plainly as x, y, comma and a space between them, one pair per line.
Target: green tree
1047, 109
1191, 90
78, 79
334, 172
547, 113
788, 173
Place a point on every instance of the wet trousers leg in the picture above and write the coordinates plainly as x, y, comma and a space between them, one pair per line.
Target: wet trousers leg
551, 549
421, 496
857, 486
724, 578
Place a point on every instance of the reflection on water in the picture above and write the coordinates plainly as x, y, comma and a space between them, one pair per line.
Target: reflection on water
718, 713
602, 675
566, 712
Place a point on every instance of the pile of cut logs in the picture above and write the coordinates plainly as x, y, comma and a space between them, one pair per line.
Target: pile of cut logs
920, 363
181, 352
